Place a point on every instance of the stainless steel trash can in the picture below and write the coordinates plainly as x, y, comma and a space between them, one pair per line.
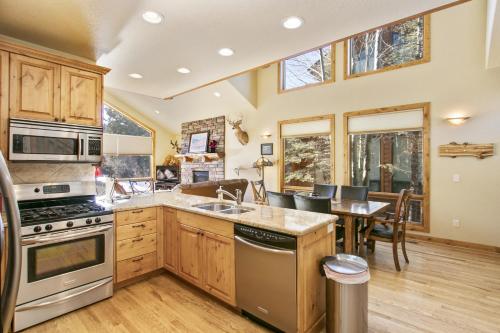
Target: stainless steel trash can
347, 279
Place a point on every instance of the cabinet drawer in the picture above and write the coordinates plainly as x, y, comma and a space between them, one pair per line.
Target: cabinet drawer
134, 247
216, 226
135, 230
127, 269
135, 216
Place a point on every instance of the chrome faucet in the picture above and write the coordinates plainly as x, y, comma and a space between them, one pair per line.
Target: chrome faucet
238, 198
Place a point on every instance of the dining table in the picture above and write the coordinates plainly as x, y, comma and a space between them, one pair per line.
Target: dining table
349, 210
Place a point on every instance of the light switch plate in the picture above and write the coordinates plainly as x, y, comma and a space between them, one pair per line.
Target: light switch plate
456, 178
330, 227
456, 223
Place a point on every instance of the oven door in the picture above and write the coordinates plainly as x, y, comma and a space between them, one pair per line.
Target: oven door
30, 144
59, 261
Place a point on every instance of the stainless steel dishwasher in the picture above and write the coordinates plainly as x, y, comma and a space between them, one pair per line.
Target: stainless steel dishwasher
266, 276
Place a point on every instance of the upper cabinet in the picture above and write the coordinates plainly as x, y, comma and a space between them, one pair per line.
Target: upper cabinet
48, 87
81, 96
34, 89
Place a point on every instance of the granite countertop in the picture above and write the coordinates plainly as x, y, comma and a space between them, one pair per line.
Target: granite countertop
288, 221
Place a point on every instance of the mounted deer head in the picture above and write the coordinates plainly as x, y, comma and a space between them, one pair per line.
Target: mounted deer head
240, 134
175, 145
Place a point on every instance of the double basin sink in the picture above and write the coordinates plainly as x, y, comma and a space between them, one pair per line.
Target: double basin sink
224, 208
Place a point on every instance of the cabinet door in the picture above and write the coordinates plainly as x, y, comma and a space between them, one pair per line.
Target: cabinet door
81, 97
170, 234
219, 267
34, 88
190, 254
4, 102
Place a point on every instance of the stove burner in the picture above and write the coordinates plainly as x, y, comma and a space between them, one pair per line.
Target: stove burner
58, 210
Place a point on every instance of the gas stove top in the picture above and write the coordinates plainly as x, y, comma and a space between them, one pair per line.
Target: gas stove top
37, 212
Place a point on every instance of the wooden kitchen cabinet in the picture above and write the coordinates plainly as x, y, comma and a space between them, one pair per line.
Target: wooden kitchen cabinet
34, 88
39, 85
191, 254
4, 102
81, 97
219, 267
170, 234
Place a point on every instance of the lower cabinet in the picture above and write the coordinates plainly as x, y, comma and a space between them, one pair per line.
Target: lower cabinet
205, 249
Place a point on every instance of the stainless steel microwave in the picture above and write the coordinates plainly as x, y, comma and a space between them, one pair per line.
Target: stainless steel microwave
49, 141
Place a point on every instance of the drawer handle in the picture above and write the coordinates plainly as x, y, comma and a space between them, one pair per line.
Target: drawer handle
142, 225
138, 239
137, 211
138, 259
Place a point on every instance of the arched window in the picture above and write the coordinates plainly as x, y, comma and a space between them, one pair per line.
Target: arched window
128, 146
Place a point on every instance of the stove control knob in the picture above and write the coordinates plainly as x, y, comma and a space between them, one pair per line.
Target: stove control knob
37, 228
69, 224
37, 190
48, 227
97, 220
88, 221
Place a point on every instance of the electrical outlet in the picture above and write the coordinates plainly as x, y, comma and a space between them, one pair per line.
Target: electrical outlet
456, 223
456, 178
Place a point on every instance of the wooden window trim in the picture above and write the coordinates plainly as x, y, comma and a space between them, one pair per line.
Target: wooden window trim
425, 59
148, 128
425, 226
281, 166
280, 72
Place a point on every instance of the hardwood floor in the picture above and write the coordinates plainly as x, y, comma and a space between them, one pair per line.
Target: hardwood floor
443, 289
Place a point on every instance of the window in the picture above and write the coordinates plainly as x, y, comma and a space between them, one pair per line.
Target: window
128, 146
310, 68
390, 47
388, 151
306, 152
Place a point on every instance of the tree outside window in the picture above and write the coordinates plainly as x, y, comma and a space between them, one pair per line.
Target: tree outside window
386, 47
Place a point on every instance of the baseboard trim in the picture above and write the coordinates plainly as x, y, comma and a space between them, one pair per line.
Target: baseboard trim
451, 242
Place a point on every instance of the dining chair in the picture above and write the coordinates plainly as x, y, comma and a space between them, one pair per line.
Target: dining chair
313, 204
317, 205
352, 193
259, 192
391, 228
325, 190
283, 200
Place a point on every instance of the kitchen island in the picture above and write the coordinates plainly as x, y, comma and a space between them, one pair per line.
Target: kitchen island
167, 231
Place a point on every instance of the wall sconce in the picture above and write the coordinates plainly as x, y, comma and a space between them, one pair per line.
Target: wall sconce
457, 120
265, 135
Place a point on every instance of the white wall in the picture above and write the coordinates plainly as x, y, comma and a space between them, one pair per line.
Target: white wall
455, 81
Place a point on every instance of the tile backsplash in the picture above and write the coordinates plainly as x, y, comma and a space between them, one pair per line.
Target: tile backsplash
32, 173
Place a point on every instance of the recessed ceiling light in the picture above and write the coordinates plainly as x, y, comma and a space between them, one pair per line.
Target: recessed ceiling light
135, 75
152, 17
157, 112
217, 94
226, 52
183, 70
292, 22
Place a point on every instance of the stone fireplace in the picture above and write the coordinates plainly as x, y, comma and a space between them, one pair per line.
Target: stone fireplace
200, 176
194, 166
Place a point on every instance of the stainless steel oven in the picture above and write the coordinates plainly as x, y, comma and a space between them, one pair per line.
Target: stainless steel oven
64, 270
49, 141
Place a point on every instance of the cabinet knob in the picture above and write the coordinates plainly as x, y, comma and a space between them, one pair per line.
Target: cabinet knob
56, 119
64, 120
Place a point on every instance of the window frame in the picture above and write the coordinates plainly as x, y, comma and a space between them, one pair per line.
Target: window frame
281, 138
280, 69
425, 58
148, 128
425, 197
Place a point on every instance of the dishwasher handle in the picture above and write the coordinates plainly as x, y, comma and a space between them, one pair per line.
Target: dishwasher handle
264, 248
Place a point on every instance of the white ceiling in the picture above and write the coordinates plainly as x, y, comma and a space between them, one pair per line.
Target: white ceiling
113, 32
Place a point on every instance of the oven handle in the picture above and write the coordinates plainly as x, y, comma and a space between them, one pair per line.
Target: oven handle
64, 299
45, 239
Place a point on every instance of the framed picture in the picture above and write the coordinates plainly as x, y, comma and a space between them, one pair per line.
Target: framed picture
266, 148
198, 142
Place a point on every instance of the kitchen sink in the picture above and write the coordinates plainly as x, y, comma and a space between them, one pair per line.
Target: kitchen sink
223, 208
